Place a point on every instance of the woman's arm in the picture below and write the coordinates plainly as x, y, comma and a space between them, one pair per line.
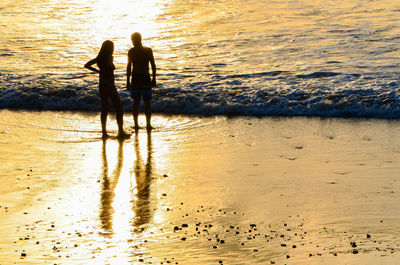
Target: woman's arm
89, 64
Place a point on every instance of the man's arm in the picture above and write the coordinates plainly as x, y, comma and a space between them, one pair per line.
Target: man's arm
153, 68
128, 73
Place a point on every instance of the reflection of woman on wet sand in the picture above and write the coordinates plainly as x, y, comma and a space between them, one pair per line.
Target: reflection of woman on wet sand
109, 184
104, 61
143, 176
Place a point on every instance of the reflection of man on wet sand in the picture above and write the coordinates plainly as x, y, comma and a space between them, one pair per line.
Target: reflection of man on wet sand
139, 58
143, 174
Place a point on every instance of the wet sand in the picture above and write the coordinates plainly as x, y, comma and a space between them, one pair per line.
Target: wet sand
199, 191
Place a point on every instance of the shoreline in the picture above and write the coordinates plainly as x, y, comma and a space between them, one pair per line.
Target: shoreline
127, 112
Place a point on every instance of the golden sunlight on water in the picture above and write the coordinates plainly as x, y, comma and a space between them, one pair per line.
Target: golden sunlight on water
117, 20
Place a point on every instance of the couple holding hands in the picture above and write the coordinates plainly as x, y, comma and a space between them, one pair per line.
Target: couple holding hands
138, 81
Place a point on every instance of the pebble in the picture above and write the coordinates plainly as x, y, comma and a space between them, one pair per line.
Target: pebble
282, 234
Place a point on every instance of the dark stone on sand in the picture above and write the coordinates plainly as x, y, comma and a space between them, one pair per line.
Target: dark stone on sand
176, 228
23, 254
183, 238
355, 251
294, 246
283, 245
353, 244
185, 225
368, 236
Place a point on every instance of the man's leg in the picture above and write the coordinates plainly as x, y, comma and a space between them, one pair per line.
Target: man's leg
147, 111
135, 112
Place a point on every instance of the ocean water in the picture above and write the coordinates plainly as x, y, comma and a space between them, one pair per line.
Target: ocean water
331, 58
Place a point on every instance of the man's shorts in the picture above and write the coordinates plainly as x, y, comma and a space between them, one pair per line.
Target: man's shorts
139, 93
141, 86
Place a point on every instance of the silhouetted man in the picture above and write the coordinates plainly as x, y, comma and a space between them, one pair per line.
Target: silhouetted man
140, 83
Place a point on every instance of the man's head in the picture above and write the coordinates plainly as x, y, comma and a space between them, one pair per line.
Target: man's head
136, 39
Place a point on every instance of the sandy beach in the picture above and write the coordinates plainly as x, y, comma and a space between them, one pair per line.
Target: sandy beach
197, 190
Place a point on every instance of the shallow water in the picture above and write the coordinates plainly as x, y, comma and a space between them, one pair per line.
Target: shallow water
267, 187
312, 58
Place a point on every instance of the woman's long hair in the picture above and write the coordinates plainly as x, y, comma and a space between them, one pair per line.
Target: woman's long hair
105, 53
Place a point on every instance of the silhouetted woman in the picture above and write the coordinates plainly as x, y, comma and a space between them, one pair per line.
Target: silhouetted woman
107, 89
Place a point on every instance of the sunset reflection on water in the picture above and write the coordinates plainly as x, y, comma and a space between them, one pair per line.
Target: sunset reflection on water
171, 195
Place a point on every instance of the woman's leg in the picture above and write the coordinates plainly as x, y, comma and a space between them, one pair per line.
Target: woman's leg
104, 112
116, 100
